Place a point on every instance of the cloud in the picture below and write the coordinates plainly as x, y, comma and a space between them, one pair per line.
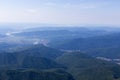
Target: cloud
71, 5
31, 10
82, 6
50, 4
65, 12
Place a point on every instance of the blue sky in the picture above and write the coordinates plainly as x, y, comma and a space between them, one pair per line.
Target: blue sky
63, 12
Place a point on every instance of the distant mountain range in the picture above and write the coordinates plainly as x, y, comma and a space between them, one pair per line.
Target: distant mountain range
69, 54
84, 67
108, 52
110, 40
74, 65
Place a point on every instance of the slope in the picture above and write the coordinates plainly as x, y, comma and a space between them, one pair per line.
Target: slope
84, 67
110, 40
34, 75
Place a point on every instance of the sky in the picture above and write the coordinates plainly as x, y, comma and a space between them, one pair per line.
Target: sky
62, 12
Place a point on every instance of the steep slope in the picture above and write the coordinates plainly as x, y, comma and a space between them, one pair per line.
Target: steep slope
91, 42
37, 57
13, 61
34, 75
84, 67
7, 59
108, 52
39, 63
41, 51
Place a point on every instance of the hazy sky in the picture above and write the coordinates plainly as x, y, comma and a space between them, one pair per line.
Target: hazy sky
65, 12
